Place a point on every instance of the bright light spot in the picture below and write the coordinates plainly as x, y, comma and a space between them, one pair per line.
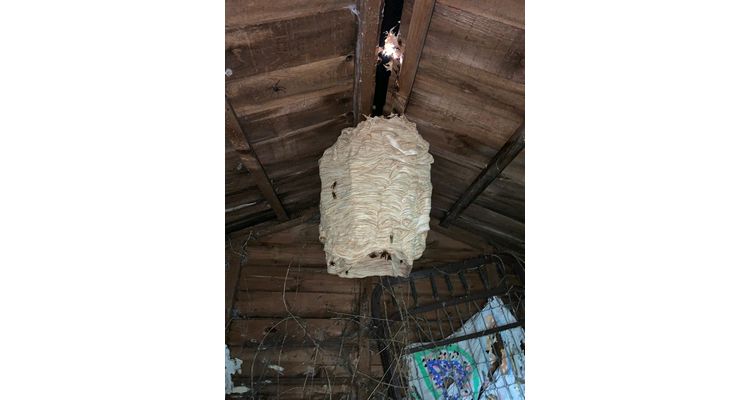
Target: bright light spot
389, 49
391, 52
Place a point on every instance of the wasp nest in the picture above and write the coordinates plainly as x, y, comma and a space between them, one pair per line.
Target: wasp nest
375, 199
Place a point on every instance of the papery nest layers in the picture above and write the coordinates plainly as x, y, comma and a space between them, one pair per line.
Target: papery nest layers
375, 199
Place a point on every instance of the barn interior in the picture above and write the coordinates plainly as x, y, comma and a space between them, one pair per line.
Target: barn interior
297, 73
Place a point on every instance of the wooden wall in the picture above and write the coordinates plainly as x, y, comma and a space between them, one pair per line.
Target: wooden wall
281, 287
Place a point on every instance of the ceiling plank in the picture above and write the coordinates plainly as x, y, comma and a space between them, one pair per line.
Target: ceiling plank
370, 14
248, 221
267, 228
250, 161
241, 13
418, 25
477, 41
507, 153
250, 94
509, 12
275, 45
461, 235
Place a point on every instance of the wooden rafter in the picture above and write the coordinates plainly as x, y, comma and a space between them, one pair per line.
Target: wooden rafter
461, 235
507, 153
259, 218
418, 26
250, 160
267, 228
370, 14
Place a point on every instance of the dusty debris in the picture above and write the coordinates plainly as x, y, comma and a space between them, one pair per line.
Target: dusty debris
353, 9
240, 389
391, 53
279, 369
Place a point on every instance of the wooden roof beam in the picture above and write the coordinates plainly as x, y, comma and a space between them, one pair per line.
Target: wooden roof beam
507, 153
250, 160
418, 26
370, 13
260, 230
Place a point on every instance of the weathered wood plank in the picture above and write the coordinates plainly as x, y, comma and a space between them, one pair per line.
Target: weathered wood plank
244, 210
507, 153
419, 24
250, 93
456, 146
468, 238
299, 200
509, 201
260, 231
250, 109
242, 191
259, 254
297, 388
312, 255
459, 111
477, 41
275, 330
496, 228
302, 304
301, 144
296, 361
456, 77
306, 280
516, 170
250, 220
497, 224
450, 178
236, 176
303, 235
505, 195
444, 242
267, 47
509, 12
368, 35
299, 182
499, 238
299, 114
406, 13
240, 13
302, 166
250, 160
436, 256
239, 182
